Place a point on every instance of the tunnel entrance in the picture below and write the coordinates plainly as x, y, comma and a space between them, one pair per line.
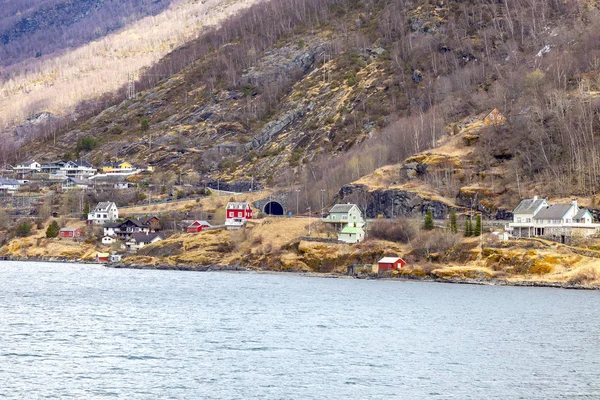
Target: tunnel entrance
273, 208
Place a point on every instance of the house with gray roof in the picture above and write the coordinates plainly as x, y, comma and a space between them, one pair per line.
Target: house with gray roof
9, 185
342, 215
105, 211
561, 222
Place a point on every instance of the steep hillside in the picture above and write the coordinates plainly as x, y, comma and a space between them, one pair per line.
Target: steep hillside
322, 93
60, 60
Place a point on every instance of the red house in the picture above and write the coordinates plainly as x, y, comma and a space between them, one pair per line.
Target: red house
197, 226
70, 233
391, 263
236, 214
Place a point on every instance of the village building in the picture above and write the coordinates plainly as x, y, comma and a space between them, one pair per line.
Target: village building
76, 183
102, 258
77, 169
27, 167
560, 222
70, 233
198, 226
341, 215
390, 264
9, 185
105, 211
495, 117
152, 222
139, 240
108, 240
351, 234
52, 167
115, 258
127, 228
236, 214
121, 167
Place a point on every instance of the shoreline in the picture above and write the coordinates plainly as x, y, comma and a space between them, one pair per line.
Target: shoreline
239, 268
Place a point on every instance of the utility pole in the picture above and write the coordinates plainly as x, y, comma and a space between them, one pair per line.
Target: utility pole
322, 193
297, 208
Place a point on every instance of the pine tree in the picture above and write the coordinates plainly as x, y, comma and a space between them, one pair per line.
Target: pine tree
468, 227
453, 225
428, 225
477, 230
86, 209
52, 230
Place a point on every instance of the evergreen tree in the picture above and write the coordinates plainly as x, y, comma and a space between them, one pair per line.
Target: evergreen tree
477, 230
428, 225
468, 228
52, 230
86, 209
453, 225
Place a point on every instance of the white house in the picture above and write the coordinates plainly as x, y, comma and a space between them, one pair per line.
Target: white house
77, 169
9, 185
536, 218
139, 240
345, 214
105, 211
351, 234
27, 166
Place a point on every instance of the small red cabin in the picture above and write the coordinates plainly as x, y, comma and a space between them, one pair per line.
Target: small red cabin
102, 257
197, 226
70, 233
391, 263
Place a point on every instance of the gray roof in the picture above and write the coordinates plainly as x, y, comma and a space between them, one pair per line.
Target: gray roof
341, 208
79, 181
8, 181
556, 211
581, 212
103, 205
528, 206
146, 237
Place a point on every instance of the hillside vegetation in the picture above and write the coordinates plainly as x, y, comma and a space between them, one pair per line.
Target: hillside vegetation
324, 92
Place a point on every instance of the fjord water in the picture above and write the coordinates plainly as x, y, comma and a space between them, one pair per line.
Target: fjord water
85, 331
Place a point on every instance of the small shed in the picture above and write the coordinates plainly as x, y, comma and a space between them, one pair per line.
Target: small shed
70, 233
390, 263
115, 258
197, 226
351, 235
102, 257
108, 240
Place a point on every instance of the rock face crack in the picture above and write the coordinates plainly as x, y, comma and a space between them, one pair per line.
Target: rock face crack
274, 128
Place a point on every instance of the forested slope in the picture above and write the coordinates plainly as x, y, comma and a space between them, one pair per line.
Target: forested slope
324, 92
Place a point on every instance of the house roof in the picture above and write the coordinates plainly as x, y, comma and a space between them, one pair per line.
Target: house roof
146, 237
147, 219
237, 205
28, 162
69, 229
8, 181
136, 222
203, 223
111, 224
78, 181
528, 206
104, 205
80, 163
389, 260
102, 255
581, 213
556, 211
341, 208
350, 229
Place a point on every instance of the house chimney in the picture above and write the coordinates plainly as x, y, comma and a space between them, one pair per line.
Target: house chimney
574, 202
534, 198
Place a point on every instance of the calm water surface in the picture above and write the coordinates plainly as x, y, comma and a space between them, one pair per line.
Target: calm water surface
85, 332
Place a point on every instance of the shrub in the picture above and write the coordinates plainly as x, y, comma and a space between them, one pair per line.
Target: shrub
86, 143
428, 224
23, 229
427, 243
52, 230
397, 230
585, 275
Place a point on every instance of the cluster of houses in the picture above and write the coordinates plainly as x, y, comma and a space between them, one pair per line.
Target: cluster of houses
73, 174
560, 222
